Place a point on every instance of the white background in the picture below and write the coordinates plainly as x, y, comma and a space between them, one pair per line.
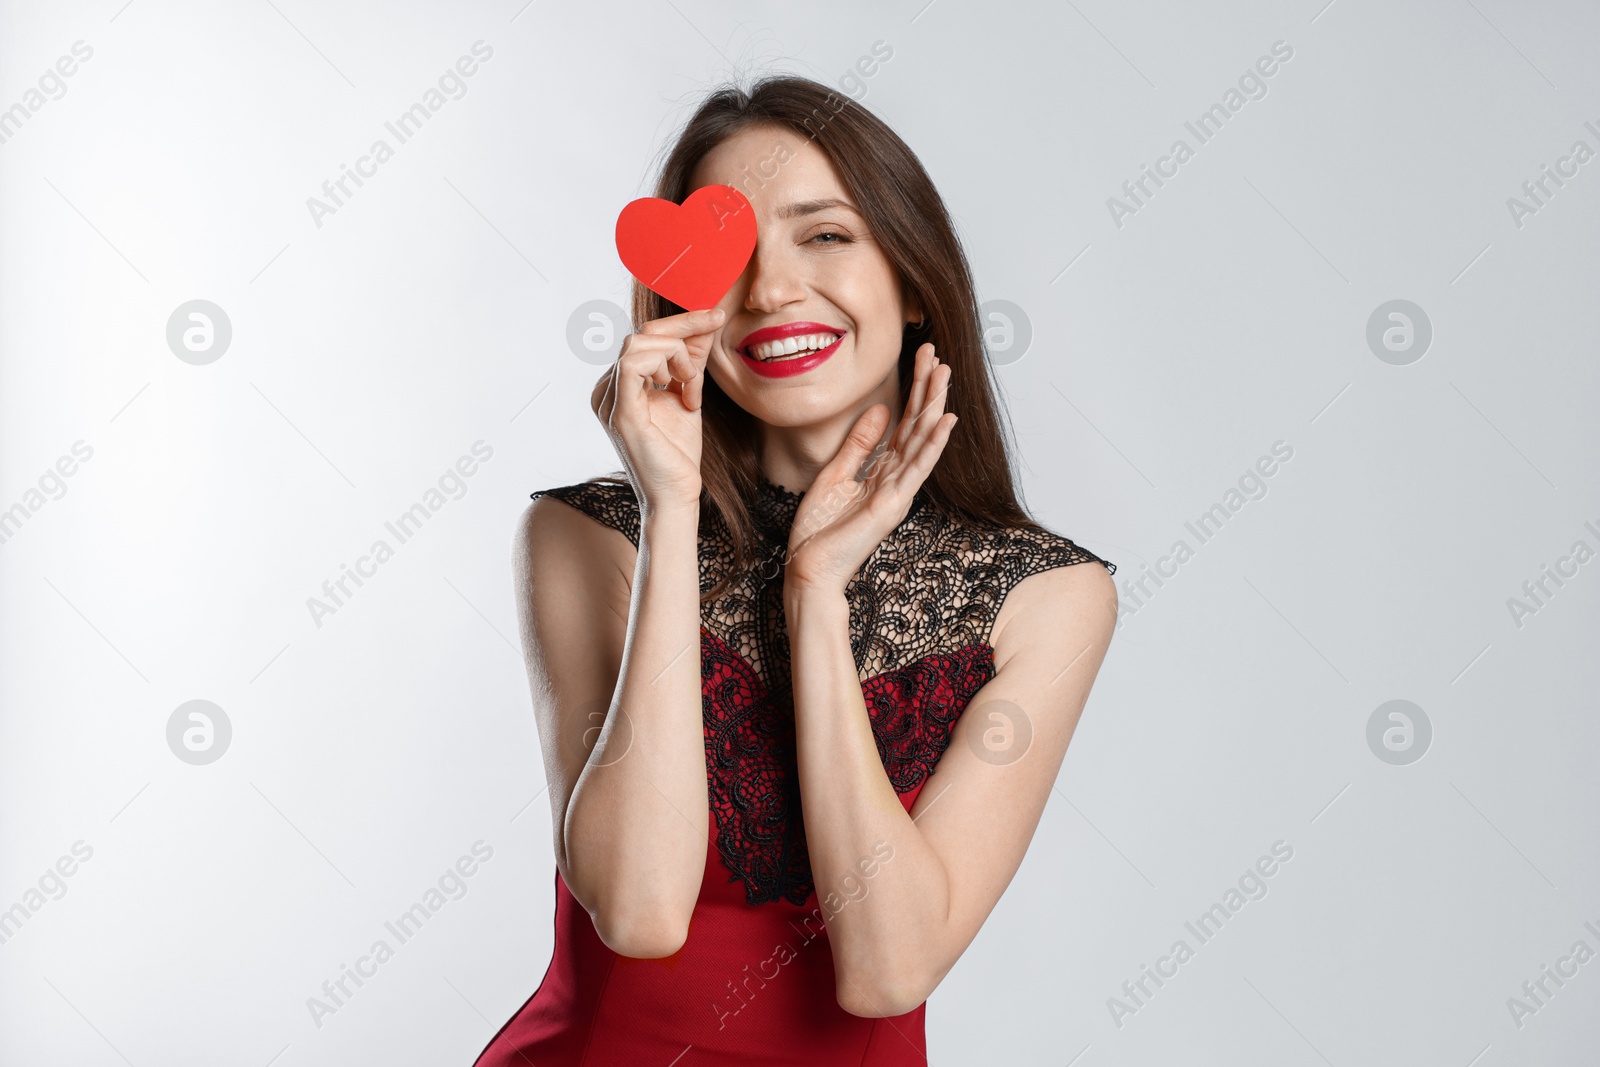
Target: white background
1168, 354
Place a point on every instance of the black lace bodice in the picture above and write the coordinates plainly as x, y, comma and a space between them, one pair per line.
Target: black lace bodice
922, 609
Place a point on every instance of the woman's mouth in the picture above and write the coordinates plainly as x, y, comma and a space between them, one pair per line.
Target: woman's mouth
794, 348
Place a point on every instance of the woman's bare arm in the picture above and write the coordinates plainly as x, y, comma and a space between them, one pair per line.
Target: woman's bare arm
611, 637
905, 893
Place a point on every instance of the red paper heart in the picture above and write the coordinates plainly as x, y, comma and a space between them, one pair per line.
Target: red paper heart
689, 253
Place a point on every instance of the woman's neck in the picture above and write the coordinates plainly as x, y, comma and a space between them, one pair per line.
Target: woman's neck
792, 456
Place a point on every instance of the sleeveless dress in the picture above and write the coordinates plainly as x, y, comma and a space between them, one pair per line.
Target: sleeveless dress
753, 984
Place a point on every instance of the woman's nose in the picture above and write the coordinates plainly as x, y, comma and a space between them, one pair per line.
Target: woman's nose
773, 282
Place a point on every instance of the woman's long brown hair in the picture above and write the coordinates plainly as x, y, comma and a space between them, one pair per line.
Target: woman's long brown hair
908, 219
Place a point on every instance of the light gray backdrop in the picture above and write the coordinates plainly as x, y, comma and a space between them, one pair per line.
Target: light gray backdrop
181, 480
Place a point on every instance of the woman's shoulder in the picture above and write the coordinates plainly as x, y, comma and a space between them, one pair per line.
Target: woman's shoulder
1017, 551
994, 562
607, 499
960, 571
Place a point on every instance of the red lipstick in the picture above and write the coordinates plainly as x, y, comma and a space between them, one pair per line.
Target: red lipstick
785, 368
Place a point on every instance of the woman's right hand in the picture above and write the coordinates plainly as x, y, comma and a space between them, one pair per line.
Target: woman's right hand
656, 431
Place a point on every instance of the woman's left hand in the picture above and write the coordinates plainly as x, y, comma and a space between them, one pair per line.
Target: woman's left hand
841, 520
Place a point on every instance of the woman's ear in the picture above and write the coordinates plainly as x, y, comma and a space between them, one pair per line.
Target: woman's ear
915, 316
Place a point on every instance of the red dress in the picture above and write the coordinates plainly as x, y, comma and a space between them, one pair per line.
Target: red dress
754, 984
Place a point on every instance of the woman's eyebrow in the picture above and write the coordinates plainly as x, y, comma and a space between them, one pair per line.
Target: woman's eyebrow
811, 207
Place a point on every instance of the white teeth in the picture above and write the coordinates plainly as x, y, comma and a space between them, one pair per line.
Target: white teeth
793, 346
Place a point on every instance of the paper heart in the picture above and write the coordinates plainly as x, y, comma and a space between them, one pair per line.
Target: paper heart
692, 252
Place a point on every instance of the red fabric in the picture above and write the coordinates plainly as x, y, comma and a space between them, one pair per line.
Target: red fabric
724, 998
731, 995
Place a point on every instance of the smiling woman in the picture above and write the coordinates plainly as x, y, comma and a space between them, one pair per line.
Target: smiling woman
788, 506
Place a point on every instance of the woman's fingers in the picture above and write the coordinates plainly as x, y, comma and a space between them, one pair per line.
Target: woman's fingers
917, 462
922, 463
659, 449
924, 429
858, 446
694, 389
687, 324
660, 354
927, 417
668, 362
647, 361
921, 366
602, 399
682, 366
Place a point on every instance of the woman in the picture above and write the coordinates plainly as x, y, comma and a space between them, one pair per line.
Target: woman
843, 625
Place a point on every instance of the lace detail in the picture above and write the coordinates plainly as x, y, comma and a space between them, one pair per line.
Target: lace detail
609, 503
914, 709
752, 768
754, 778
922, 609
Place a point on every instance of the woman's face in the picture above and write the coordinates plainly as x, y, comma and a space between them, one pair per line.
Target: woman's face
817, 275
